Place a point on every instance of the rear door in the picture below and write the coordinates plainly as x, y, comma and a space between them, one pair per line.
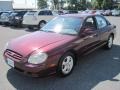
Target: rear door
30, 18
104, 27
45, 15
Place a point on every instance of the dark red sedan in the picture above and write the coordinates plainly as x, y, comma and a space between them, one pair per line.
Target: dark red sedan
55, 48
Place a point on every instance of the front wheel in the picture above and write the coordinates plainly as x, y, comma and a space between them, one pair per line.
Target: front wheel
109, 42
66, 64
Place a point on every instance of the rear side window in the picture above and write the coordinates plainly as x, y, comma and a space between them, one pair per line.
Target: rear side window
31, 12
49, 13
41, 13
101, 22
45, 13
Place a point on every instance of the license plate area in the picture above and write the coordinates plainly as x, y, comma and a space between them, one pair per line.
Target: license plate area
10, 62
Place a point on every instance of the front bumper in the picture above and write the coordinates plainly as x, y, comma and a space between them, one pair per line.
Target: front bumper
15, 22
4, 21
22, 66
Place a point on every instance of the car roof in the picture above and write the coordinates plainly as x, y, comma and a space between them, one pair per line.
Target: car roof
78, 15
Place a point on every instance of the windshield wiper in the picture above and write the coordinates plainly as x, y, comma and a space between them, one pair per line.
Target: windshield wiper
50, 31
47, 31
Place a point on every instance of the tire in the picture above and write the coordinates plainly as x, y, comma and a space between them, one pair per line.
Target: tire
41, 24
30, 28
65, 68
109, 42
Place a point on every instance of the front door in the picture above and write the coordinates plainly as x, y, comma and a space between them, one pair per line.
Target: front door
89, 34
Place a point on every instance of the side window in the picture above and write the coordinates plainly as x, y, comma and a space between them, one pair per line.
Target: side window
45, 13
90, 23
49, 13
41, 13
101, 22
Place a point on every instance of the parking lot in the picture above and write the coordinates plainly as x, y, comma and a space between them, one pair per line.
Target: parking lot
99, 70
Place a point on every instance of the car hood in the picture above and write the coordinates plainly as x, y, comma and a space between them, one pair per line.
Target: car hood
27, 44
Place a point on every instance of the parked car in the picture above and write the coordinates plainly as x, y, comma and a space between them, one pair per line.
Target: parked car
4, 19
0, 16
37, 19
115, 12
58, 12
99, 12
84, 12
16, 18
72, 11
92, 12
107, 13
56, 47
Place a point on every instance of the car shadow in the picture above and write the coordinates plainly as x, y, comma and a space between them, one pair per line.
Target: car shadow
17, 27
31, 30
90, 70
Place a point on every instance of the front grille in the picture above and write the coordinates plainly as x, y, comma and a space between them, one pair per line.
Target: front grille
13, 54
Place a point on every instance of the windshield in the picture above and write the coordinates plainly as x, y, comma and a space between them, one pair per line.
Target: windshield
63, 25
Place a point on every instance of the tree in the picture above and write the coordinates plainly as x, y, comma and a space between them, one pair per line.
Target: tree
107, 4
119, 6
56, 3
42, 4
102, 4
77, 5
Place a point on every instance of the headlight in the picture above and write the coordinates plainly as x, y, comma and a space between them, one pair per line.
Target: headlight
17, 17
37, 58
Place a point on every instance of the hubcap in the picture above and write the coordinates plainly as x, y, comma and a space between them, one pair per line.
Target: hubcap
67, 65
110, 42
42, 24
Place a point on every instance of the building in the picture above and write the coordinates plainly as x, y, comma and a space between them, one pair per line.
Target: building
9, 5
6, 5
24, 4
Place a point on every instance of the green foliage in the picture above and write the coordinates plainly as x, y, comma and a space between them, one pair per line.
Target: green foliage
107, 4
119, 6
75, 5
56, 2
97, 4
102, 4
42, 4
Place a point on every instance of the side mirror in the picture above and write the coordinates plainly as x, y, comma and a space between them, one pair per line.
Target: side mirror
87, 31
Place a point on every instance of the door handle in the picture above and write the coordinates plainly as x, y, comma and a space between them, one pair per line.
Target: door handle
92, 36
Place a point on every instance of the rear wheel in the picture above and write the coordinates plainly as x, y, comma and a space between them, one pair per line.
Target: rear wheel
41, 24
66, 64
109, 42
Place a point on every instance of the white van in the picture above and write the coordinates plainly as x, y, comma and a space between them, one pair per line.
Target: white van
37, 19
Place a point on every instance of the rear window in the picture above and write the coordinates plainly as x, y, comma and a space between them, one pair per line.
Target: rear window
21, 13
31, 12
